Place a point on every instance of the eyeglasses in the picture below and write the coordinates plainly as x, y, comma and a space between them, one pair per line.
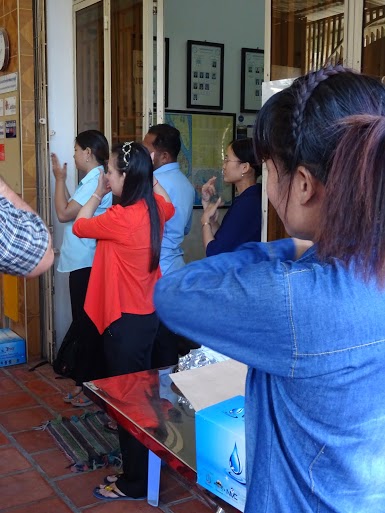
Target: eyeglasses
226, 159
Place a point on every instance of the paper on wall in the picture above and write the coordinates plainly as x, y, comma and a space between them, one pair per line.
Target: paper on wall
211, 384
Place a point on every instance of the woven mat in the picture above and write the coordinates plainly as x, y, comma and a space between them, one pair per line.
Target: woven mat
85, 440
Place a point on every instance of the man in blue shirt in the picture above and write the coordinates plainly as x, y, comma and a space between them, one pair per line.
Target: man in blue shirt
163, 142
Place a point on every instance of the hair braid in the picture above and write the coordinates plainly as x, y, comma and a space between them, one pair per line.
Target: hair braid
305, 89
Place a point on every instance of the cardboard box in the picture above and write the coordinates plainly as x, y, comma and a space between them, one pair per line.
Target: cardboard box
220, 447
12, 348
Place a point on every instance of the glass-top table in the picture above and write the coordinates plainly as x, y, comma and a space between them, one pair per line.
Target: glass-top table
150, 407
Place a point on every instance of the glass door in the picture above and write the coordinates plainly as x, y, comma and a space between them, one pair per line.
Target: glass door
115, 84
373, 40
89, 68
304, 35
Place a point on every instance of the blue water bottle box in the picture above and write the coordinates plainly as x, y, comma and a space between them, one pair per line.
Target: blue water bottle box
12, 348
220, 448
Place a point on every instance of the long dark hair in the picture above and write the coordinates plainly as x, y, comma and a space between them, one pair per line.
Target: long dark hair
134, 160
308, 124
244, 150
97, 143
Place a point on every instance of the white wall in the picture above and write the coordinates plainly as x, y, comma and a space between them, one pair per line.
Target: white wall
61, 120
235, 23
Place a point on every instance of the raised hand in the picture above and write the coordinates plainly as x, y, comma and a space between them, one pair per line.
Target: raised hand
210, 213
60, 173
208, 190
103, 186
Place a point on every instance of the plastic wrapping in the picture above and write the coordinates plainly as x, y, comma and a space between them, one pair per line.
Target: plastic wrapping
199, 358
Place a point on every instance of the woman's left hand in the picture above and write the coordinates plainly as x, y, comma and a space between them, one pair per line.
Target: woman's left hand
103, 188
210, 213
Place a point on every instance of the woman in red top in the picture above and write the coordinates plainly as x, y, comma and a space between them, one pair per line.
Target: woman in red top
122, 281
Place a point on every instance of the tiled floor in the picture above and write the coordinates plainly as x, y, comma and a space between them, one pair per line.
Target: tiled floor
34, 473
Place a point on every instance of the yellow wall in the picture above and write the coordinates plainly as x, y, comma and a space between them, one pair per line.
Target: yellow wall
17, 17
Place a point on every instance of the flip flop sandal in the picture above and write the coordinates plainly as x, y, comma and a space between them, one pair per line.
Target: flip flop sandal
110, 426
111, 479
81, 401
119, 496
70, 397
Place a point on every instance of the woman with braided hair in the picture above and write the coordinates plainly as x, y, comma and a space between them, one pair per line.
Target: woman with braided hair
124, 273
307, 318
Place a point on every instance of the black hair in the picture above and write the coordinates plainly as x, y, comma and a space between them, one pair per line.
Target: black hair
167, 139
135, 160
332, 122
97, 143
244, 150
297, 126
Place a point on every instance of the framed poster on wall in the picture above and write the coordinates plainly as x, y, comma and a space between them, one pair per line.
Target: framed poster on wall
204, 137
252, 74
205, 75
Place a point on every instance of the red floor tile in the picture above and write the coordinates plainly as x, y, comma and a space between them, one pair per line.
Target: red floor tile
53, 462
41, 387
11, 460
16, 400
7, 385
123, 507
3, 439
170, 489
35, 441
23, 488
192, 506
79, 488
25, 419
51, 505
22, 372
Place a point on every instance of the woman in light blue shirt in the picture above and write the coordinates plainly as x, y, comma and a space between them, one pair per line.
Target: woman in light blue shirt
76, 255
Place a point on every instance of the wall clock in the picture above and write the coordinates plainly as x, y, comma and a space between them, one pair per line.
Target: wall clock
4, 49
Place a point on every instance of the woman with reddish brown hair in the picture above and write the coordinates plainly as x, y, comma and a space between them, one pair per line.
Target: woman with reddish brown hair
309, 323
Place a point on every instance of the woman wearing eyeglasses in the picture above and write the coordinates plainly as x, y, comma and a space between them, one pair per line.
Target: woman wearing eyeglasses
242, 222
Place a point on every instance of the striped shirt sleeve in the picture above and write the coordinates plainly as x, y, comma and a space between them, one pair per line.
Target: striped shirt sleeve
23, 239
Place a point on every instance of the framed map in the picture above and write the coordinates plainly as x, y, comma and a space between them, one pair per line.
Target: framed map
204, 139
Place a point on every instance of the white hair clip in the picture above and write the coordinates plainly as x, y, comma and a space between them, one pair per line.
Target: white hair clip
126, 152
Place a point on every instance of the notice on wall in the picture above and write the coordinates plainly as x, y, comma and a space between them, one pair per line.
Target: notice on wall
8, 83
10, 129
2, 130
2, 152
10, 106
1, 107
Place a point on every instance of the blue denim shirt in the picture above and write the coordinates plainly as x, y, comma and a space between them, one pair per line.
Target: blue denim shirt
313, 335
182, 196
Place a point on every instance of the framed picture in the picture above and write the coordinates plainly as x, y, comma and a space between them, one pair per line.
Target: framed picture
252, 74
166, 70
204, 137
205, 75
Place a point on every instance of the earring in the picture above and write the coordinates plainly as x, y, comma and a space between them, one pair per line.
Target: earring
87, 159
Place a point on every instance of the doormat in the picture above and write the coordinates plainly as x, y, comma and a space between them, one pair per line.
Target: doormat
86, 441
